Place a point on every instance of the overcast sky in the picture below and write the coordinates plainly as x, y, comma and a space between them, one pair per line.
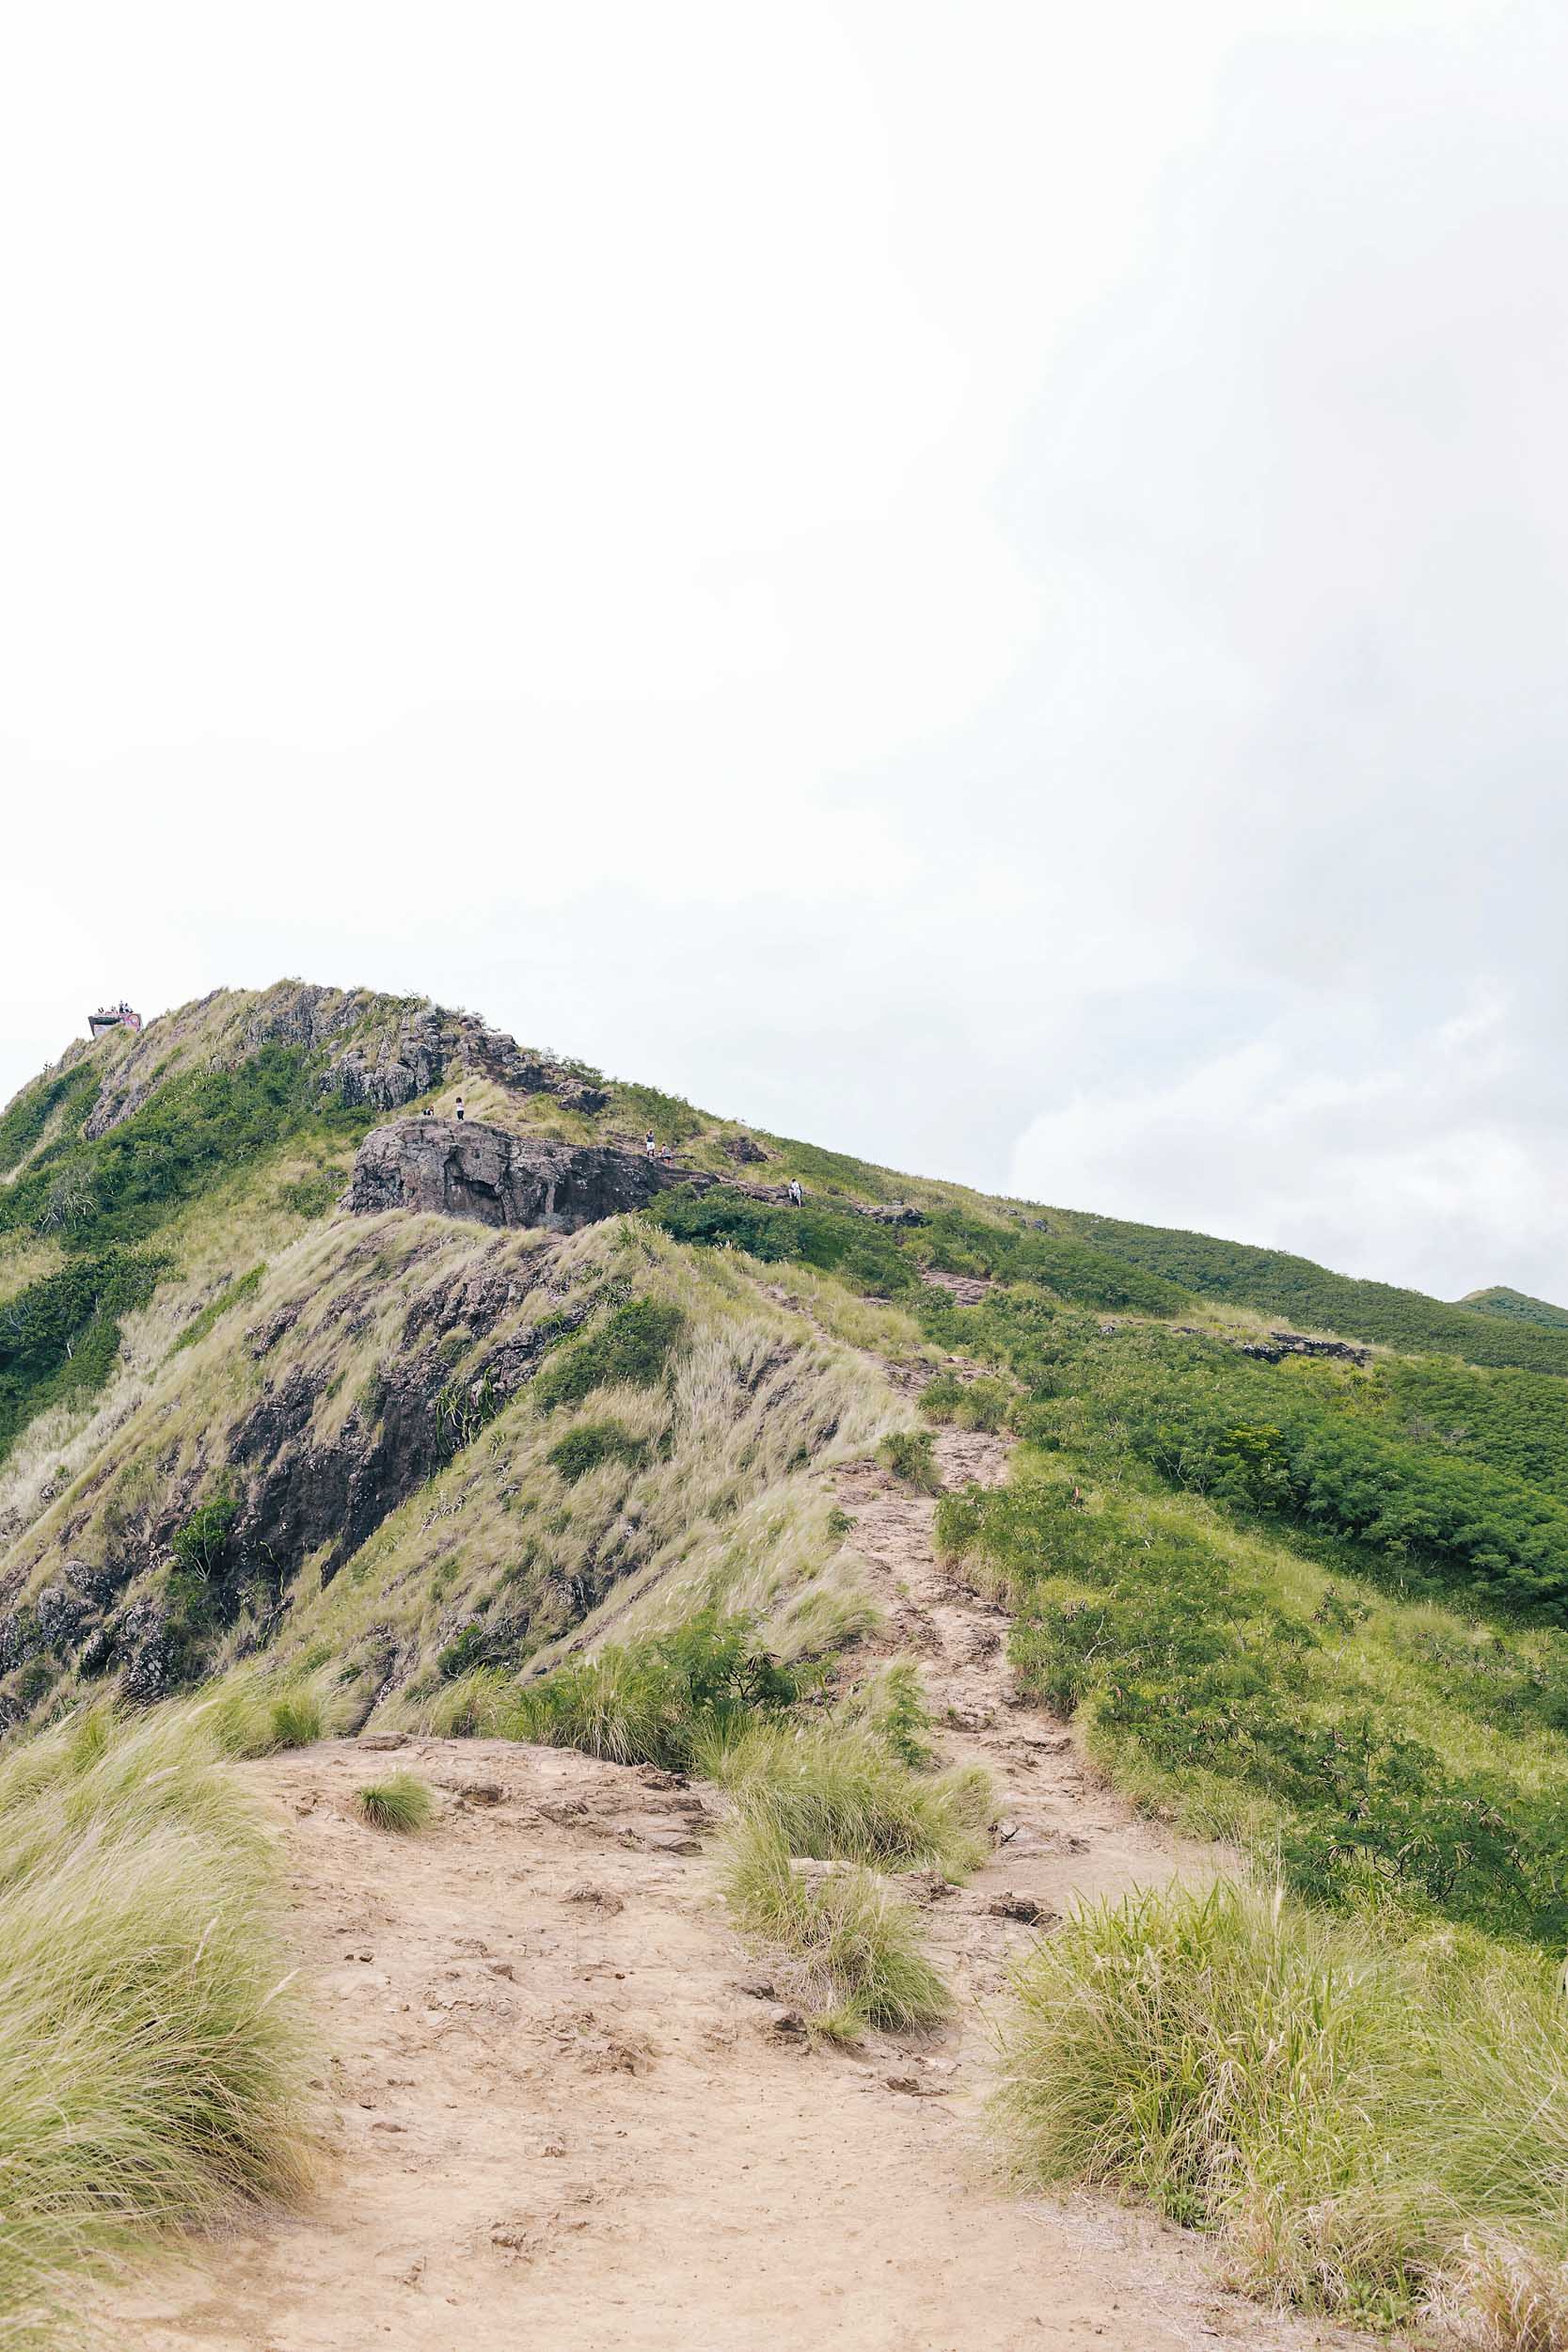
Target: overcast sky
982, 584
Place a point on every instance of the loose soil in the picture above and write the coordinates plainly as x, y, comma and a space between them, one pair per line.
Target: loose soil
562, 2108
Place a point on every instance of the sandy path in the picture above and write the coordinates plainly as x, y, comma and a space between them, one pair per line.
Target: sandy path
558, 2118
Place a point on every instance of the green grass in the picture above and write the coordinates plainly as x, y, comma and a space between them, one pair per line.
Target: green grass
907, 1453
852, 1949
151, 2056
838, 1793
1371, 2127
401, 1803
631, 1348
1295, 1288
232, 1294
1379, 1751
248, 1722
667, 1700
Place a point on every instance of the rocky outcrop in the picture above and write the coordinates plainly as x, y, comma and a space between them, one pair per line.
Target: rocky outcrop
452, 1168
377, 1051
1282, 1344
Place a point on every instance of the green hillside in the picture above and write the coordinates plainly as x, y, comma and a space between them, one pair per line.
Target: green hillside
1517, 1307
1281, 1284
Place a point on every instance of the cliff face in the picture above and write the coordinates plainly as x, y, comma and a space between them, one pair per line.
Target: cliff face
451, 1167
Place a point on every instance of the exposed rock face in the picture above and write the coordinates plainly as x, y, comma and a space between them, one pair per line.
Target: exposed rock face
455, 1167
1282, 1344
744, 1150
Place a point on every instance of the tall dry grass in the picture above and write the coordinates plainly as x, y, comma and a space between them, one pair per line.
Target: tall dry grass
1374, 2128
151, 2058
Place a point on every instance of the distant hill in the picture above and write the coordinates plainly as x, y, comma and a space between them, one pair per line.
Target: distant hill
1531, 1334
1517, 1306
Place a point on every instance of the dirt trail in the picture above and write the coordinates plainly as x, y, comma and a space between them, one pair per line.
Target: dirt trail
560, 2119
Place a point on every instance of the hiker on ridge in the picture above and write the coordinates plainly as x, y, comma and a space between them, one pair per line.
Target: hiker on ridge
459, 1113
650, 1145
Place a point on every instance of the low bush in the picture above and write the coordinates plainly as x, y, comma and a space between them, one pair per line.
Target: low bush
985, 1403
852, 1948
151, 2057
908, 1455
891, 1705
401, 1803
584, 1449
662, 1701
1371, 2127
631, 1348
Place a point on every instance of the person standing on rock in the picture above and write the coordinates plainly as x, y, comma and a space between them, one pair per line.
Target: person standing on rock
797, 1197
460, 1109
650, 1145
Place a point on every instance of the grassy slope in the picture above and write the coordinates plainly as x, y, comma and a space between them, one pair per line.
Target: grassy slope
1517, 1306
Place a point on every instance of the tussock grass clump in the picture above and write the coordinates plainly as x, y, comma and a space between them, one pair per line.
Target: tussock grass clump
248, 1723
854, 1948
152, 2062
665, 1701
838, 1793
402, 1803
1371, 2127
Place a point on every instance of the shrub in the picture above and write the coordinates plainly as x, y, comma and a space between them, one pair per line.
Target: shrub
401, 1803
908, 1457
630, 1347
312, 1196
200, 1547
593, 1442
1346, 2111
59, 1338
839, 1794
855, 1948
985, 1403
151, 2058
661, 1701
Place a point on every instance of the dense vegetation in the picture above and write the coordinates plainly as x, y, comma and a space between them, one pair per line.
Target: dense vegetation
68, 1091
1330, 1452
1517, 1306
886, 1261
124, 1185
1282, 1284
60, 1336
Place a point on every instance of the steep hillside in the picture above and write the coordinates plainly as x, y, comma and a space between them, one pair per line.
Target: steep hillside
287, 1362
